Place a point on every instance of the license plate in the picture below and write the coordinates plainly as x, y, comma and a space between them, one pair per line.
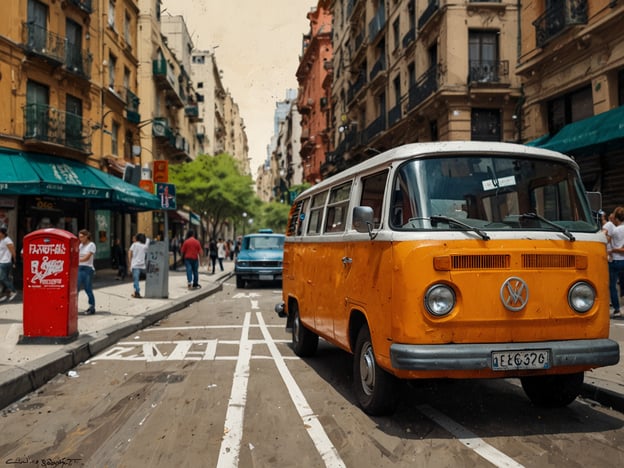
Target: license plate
265, 277
524, 359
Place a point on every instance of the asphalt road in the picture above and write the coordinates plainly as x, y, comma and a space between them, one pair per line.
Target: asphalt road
217, 384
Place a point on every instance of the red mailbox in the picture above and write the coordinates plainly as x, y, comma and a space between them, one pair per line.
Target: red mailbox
50, 286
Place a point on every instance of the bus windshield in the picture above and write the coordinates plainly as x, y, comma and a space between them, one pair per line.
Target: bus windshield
489, 193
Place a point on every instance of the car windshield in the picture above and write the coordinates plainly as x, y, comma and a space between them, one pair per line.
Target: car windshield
484, 193
264, 243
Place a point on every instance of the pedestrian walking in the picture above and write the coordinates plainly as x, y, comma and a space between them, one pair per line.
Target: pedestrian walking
119, 260
616, 252
191, 253
86, 257
137, 254
214, 253
220, 252
7, 263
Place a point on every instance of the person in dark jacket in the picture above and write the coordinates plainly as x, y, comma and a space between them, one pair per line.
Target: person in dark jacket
119, 260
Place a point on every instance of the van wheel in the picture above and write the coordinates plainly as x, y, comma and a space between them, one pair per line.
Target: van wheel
374, 388
553, 391
240, 282
304, 341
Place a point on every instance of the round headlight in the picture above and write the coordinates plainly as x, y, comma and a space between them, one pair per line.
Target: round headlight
440, 300
581, 297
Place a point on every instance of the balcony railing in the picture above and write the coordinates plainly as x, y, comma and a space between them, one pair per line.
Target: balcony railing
394, 115
84, 5
377, 23
377, 126
488, 71
132, 105
38, 40
165, 76
559, 18
161, 129
192, 112
426, 85
409, 37
355, 88
379, 66
47, 124
434, 5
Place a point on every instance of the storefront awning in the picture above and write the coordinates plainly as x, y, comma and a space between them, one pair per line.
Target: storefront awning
17, 176
41, 174
128, 197
587, 133
68, 178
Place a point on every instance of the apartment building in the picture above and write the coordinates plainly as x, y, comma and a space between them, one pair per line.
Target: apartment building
286, 164
314, 99
68, 84
407, 71
572, 67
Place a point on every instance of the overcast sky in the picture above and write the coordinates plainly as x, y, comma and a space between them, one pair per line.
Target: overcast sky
257, 45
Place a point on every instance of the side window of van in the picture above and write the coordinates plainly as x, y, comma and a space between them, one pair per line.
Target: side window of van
316, 214
337, 208
373, 188
403, 203
295, 218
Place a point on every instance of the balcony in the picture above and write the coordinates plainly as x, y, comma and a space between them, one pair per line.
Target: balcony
353, 91
39, 41
409, 37
559, 18
378, 22
132, 106
434, 6
488, 72
424, 87
78, 61
379, 66
192, 112
84, 5
46, 125
376, 127
161, 129
394, 115
166, 79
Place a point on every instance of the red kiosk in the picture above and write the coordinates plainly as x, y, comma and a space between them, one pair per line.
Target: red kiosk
50, 287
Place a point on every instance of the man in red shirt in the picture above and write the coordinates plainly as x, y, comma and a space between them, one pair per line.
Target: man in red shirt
191, 253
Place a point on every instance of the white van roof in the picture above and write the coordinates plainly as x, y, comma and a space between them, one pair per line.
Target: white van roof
439, 148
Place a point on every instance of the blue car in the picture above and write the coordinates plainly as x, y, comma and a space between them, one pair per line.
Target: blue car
260, 258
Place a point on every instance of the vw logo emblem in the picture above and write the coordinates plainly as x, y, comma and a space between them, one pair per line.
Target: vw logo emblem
514, 293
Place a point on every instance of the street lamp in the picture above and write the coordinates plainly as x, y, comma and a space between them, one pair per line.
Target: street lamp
244, 221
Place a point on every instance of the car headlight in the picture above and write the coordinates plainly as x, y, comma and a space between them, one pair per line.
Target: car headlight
440, 300
581, 297
242, 264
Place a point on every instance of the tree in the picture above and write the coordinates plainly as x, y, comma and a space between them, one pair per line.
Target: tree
215, 186
274, 215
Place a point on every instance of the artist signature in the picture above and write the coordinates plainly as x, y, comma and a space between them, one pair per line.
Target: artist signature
42, 461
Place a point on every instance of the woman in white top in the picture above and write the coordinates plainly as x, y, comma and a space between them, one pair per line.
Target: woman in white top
86, 268
136, 257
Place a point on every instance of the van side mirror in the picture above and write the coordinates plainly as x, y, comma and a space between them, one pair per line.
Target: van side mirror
363, 219
595, 200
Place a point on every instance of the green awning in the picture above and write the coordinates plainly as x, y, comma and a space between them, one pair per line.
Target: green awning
539, 141
587, 133
17, 177
128, 197
68, 178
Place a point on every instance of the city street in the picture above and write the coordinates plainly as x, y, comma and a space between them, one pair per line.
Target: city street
217, 384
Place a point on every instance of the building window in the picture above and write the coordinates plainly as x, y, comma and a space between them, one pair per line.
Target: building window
111, 14
127, 34
115, 139
411, 74
112, 63
483, 56
73, 122
396, 32
569, 108
620, 87
485, 125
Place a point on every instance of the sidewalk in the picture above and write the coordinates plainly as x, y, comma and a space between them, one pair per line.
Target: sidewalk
25, 367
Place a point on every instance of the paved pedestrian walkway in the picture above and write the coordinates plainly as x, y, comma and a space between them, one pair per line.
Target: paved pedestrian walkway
25, 367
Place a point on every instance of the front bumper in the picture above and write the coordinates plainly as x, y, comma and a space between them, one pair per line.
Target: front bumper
591, 353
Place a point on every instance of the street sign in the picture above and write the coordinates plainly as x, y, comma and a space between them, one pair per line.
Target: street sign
167, 195
161, 171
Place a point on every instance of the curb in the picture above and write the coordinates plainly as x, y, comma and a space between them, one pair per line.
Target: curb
18, 382
605, 397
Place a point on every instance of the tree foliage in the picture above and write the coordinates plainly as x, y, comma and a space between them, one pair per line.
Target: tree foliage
274, 216
215, 187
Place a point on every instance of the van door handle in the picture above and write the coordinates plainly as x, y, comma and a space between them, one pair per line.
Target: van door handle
347, 260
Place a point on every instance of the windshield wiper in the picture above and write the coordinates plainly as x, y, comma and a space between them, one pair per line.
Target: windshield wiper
457, 222
559, 228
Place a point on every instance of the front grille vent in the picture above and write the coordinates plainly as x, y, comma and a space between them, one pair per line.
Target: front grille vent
480, 262
534, 261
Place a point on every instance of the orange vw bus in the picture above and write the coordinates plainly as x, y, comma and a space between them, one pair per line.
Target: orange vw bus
451, 260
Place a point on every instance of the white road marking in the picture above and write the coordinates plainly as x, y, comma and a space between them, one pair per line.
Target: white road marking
469, 439
323, 444
233, 427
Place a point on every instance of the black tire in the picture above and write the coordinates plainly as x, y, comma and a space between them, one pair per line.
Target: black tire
304, 341
553, 391
375, 390
240, 282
